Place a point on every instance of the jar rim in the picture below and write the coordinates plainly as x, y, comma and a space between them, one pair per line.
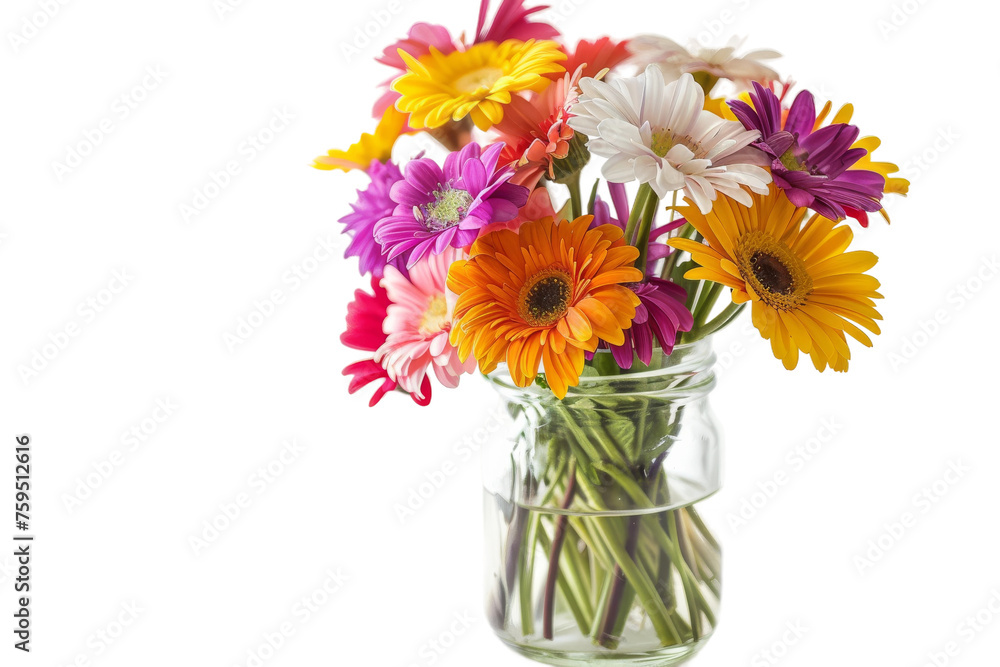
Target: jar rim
685, 362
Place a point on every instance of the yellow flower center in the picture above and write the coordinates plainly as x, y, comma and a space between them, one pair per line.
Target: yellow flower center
793, 162
544, 298
775, 273
664, 139
435, 318
478, 79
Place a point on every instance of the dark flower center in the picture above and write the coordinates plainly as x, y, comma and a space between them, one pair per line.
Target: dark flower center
773, 271
545, 298
772, 274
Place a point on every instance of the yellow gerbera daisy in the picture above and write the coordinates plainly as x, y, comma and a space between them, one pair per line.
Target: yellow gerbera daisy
806, 290
476, 82
544, 294
370, 148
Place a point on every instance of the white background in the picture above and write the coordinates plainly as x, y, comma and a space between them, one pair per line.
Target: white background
921, 76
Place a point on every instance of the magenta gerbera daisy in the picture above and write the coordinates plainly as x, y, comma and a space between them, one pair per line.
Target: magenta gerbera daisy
439, 208
811, 165
373, 204
660, 315
365, 316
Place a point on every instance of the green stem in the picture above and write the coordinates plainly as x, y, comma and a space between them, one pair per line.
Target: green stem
638, 207
575, 198
688, 587
671, 261
558, 538
613, 453
666, 542
572, 598
645, 589
525, 567
645, 226
704, 309
526, 558
730, 313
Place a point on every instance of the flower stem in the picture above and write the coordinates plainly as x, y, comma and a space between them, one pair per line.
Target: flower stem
575, 198
638, 207
609, 631
730, 313
614, 619
671, 262
704, 308
558, 537
645, 226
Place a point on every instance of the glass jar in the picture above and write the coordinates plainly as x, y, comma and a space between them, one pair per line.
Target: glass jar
595, 547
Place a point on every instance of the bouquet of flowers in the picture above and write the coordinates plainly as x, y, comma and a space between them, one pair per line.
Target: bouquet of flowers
590, 303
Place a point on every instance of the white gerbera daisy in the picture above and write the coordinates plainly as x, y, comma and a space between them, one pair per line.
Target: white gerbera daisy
674, 60
659, 133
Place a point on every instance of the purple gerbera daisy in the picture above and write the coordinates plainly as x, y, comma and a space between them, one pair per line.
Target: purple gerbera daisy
811, 166
373, 204
439, 208
661, 314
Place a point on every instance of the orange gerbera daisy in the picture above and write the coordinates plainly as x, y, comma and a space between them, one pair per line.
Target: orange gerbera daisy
545, 294
806, 290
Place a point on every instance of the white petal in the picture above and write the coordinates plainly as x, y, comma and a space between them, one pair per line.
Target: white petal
679, 154
668, 180
646, 168
618, 169
620, 135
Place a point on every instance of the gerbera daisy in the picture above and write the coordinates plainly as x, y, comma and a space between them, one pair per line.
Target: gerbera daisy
439, 208
374, 203
674, 60
417, 43
806, 290
364, 332
534, 130
417, 324
660, 315
544, 295
811, 165
370, 148
660, 133
477, 82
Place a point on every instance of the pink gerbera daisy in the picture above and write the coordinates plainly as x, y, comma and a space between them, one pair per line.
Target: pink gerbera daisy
418, 323
364, 332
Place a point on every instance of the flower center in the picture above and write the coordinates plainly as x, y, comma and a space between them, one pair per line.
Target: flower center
435, 318
447, 210
477, 79
544, 298
664, 139
793, 162
775, 273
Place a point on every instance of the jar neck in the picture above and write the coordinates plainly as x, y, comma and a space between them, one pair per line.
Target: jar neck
685, 373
